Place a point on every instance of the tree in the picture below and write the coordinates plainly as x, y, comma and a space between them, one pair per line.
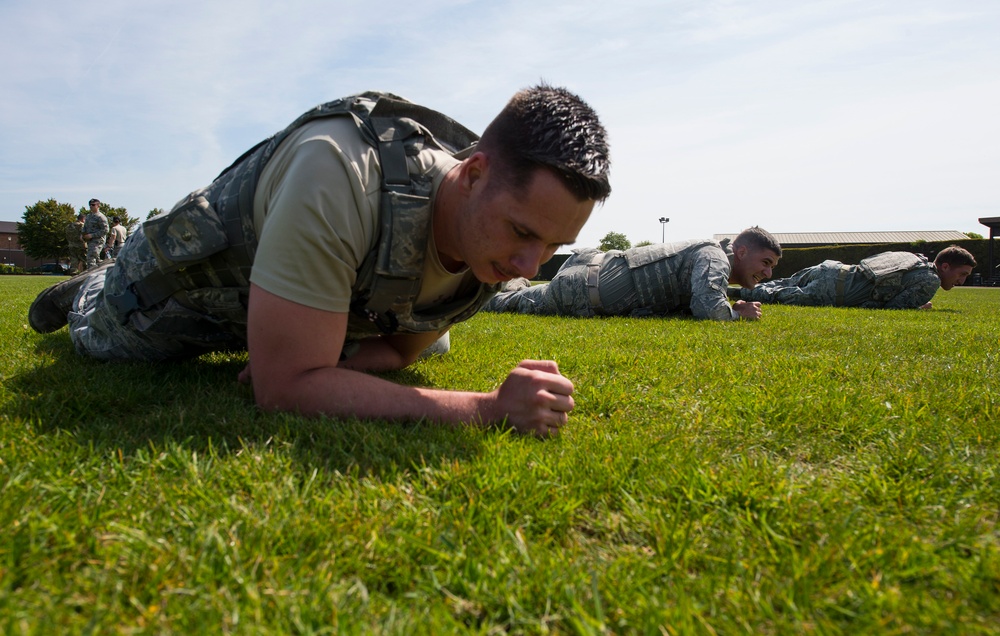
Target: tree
42, 234
974, 235
614, 241
643, 244
154, 212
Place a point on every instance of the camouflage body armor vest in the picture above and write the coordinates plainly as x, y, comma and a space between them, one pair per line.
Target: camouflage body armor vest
656, 286
881, 267
208, 240
886, 272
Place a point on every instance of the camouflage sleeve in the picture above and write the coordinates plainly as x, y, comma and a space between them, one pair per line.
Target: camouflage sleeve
916, 289
709, 283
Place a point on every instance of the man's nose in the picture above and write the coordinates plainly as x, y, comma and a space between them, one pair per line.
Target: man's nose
527, 261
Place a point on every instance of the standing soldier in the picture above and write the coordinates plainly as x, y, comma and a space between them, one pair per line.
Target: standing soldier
77, 248
95, 229
116, 237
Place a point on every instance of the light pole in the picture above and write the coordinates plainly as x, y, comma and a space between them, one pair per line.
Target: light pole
8, 251
663, 224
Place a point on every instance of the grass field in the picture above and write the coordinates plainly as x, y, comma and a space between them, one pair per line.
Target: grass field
826, 471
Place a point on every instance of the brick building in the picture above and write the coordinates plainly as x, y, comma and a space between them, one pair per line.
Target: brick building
10, 249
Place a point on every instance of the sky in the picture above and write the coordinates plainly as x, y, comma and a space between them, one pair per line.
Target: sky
794, 115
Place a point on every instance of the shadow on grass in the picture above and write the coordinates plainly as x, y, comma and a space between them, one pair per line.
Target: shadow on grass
198, 404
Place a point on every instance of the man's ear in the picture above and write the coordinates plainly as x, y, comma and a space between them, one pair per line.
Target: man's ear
740, 252
474, 169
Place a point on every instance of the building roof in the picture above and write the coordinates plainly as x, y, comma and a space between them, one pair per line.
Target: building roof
8, 227
846, 238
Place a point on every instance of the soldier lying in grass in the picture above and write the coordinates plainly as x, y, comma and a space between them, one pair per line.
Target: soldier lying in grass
890, 280
654, 280
349, 243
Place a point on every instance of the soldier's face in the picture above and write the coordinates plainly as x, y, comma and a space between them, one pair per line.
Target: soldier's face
752, 266
505, 236
951, 275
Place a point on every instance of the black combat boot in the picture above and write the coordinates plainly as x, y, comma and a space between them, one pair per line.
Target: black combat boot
51, 308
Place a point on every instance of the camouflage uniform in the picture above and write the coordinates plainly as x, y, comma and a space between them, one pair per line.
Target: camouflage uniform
654, 280
77, 248
180, 285
97, 226
890, 280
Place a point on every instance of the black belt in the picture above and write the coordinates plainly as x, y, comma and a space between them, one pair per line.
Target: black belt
841, 279
593, 274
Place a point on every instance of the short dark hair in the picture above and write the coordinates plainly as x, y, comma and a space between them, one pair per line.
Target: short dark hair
93, 201
758, 238
551, 128
955, 256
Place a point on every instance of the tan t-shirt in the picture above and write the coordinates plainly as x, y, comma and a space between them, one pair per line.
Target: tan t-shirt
316, 215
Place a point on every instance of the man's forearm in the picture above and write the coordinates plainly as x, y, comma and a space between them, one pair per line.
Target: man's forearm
341, 392
534, 399
911, 298
712, 306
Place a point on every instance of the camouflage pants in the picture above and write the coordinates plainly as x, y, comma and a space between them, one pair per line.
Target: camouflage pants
571, 291
814, 286
185, 325
565, 295
94, 249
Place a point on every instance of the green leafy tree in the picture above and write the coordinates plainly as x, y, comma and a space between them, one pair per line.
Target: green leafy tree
154, 212
42, 234
614, 241
643, 244
974, 235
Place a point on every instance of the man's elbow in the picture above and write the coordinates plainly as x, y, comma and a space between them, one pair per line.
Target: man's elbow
271, 396
271, 401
